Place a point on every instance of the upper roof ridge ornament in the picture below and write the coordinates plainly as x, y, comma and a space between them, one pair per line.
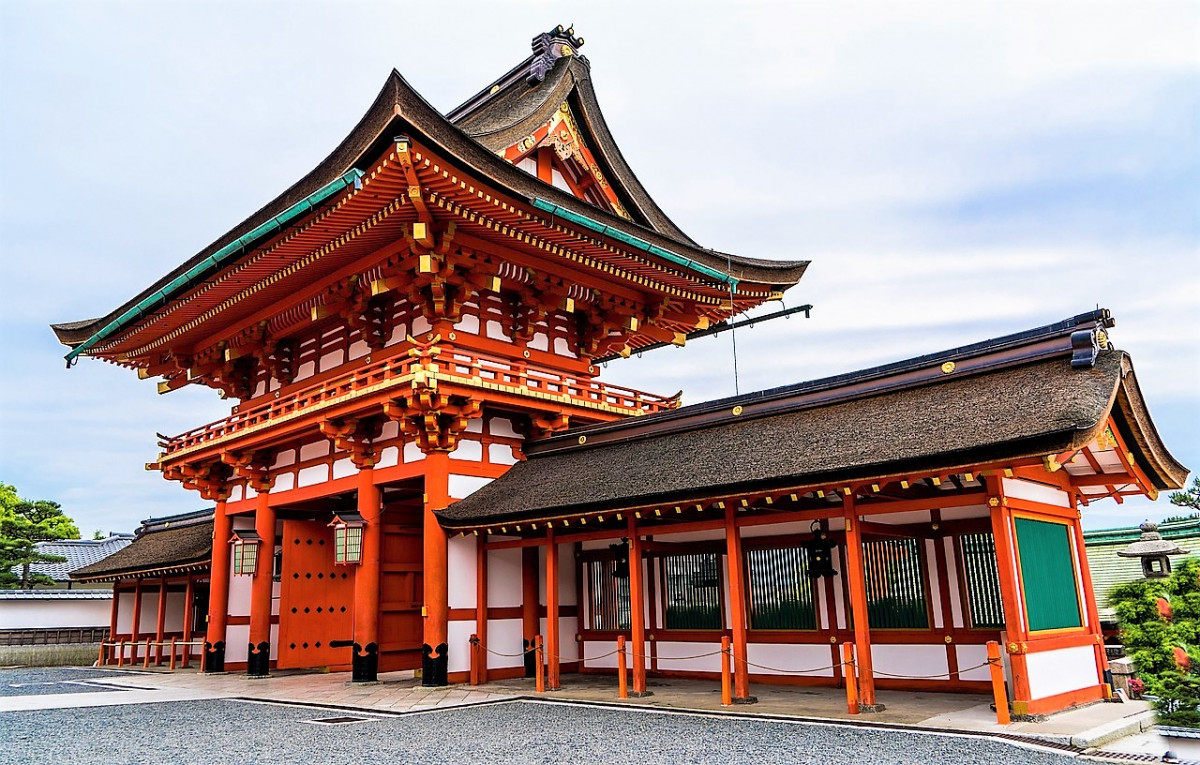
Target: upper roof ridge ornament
549, 47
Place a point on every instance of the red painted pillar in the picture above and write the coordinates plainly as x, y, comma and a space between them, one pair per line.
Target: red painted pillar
530, 605
258, 661
737, 609
552, 631
481, 604
135, 629
218, 591
856, 579
637, 610
1006, 571
112, 621
437, 592
189, 593
160, 622
365, 667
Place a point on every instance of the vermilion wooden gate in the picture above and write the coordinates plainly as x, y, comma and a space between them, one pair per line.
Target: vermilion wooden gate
401, 594
316, 602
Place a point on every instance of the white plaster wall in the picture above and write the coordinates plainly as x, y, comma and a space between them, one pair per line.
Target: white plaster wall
34, 614
593, 648
175, 607
504, 578
1036, 492
935, 584
1061, 670
471, 451
462, 486
148, 623
814, 660
237, 637
691, 536
568, 646
773, 530
461, 570
839, 600
960, 513
124, 612
239, 595
504, 636
344, 467
924, 660
667, 650
458, 645
970, 656
956, 609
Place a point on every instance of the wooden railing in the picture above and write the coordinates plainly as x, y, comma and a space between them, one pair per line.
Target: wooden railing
454, 366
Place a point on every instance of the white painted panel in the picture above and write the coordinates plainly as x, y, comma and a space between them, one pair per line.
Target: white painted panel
239, 595
959, 513
284, 482
388, 456
235, 493
460, 574
124, 612
468, 450
822, 604
502, 427
596, 649
274, 655
667, 650
305, 370
529, 165
915, 516
460, 486
504, 578
956, 609
805, 660
36, 613
343, 468
399, 335
358, 349
693, 536
148, 624
563, 348
839, 601
237, 641
332, 359
924, 660
1061, 670
260, 389
1036, 492
504, 636
469, 323
972, 656
390, 430
175, 608
501, 454
314, 450
458, 645
249, 492
420, 325
773, 529
475, 425
311, 476
600, 544
283, 459
539, 342
935, 584
412, 452
495, 330
568, 647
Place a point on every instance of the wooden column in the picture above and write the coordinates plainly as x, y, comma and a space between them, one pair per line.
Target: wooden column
189, 594
530, 605
1014, 623
135, 629
856, 579
258, 659
112, 619
365, 663
437, 593
218, 591
481, 604
160, 622
552, 631
737, 609
942, 567
637, 610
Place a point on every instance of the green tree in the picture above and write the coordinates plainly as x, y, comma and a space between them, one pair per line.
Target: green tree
1189, 497
23, 523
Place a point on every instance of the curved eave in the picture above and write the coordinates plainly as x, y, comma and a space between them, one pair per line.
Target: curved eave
1130, 413
400, 109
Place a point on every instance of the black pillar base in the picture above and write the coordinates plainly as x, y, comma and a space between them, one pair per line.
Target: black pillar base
530, 657
214, 656
364, 667
434, 668
258, 660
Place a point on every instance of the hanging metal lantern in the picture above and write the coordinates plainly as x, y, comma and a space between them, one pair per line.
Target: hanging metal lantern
620, 559
1154, 552
347, 538
820, 553
245, 552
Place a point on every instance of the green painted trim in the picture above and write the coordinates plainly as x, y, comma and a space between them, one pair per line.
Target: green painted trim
1175, 530
215, 261
1047, 575
633, 241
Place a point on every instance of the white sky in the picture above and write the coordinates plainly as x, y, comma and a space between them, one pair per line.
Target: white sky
954, 170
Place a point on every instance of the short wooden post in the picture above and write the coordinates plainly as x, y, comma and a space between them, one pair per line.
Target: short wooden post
121, 653
998, 692
172, 662
540, 653
851, 678
726, 676
100, 659
622, 678
146, 663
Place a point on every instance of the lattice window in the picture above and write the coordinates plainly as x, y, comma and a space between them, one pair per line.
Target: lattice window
608, 596
781, 593
895, 585
984, 604
692, 591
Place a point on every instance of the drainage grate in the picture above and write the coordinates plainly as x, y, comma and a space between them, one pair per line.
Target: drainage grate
1136, 757
339, 720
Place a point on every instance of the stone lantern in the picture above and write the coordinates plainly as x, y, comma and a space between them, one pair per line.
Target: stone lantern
1154, 552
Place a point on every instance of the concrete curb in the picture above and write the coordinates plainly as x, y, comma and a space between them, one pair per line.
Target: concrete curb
1093, 738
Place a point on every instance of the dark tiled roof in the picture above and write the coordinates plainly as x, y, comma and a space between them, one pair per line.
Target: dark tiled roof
400, 110
997, 406
78, 552
157, 548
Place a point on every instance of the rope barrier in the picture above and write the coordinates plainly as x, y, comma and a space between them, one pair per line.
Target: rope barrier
932, 677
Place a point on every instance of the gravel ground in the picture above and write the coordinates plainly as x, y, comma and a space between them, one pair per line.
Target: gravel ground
38, 681
227, 731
